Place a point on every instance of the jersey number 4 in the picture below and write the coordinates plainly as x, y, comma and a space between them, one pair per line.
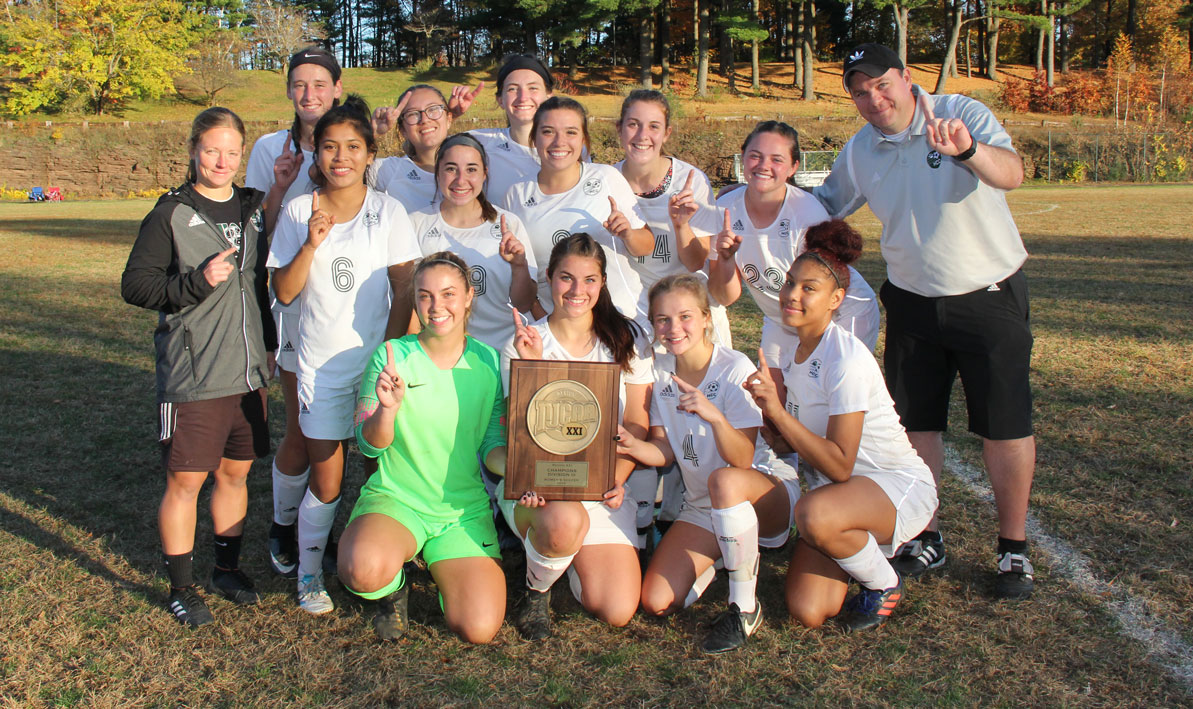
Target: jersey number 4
661, 250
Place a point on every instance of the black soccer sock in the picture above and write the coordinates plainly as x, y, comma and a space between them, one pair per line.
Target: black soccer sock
227, 552
1013, 546
181, 569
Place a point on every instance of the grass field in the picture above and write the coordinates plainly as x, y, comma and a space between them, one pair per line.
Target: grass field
81, 590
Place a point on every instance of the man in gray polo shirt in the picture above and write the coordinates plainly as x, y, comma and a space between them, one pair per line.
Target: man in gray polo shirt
934, 170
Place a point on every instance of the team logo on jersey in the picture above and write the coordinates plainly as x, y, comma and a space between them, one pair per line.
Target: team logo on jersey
738, 226
232, 233
784, 228
303, 408
933, 159
287, 347
495, 230
257, 220
432, 233
414, 176
814, 369
592, 186
196, 220
530, 202
689, 451
668, 392
560, 236
372, 219
710, 391
504, 146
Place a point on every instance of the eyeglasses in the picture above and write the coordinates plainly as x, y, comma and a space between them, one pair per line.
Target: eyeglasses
415, 116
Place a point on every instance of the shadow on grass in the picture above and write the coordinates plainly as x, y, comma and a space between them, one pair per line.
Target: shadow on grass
100, 231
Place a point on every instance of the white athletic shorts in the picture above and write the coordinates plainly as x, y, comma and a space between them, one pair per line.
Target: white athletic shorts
702, 517
286, 323
325, 413
915, 503
605, 526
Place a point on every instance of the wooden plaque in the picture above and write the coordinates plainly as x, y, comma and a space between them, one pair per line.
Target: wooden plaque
562, 420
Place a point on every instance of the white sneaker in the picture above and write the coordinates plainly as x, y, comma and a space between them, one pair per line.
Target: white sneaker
313, 597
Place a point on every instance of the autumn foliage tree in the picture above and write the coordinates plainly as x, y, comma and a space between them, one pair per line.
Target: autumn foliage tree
98, 53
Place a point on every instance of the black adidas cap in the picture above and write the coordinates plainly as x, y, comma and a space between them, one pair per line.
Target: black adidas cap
873, 60
315, 55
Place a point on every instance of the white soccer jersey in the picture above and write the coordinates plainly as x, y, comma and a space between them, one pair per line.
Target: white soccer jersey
259, 176
509, 161
706, 222
259, 173
640, 363
491, 321
402, 179
345, 303
690, 436
584, 208
767, 253
839, 377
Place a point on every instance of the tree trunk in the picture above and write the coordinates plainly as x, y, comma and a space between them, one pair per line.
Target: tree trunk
754, 49
957, 14
645, 48
1051, 48
1131, 12
1040, 39
809, 42
968, 57
725, 45
702, 44
665, 44
1065, 29
992, 28
902, 15
798, 44
789, 30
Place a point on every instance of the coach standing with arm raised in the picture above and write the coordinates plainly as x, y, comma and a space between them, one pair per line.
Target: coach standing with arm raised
934, 170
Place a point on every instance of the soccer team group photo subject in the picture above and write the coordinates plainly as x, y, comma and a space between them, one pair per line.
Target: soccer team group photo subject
390, 296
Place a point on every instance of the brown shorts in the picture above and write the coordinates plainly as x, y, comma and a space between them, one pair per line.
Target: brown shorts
195, 435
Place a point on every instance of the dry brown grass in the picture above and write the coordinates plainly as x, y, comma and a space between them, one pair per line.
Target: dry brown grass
81, 591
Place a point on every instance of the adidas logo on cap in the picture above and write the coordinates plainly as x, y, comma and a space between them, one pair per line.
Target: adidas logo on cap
856, 56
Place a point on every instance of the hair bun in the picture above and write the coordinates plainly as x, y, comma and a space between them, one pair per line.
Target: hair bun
837, 238
357, 104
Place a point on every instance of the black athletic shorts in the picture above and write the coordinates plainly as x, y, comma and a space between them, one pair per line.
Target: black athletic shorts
985, 336
195, 435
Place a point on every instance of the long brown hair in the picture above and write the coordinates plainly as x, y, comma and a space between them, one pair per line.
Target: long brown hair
488, 211
614, 330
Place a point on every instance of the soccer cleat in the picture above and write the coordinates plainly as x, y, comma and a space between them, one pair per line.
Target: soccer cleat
188, 607
1015, 580
870, 608
313, 597
283, 549
390, 621
533, 617
731, 629
233, 585
924, 553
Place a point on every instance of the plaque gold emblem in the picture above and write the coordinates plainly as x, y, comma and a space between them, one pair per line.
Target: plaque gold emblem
563, 417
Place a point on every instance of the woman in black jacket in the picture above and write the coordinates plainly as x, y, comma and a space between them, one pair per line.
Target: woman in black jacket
199, 260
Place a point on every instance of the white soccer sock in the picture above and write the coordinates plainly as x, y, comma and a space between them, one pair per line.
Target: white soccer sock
737, 536
643, 488
287, 494
869, 567
543, 571
314, 525
703, 581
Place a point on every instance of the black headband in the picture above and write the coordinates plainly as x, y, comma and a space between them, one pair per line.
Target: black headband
464, 138
318, 56
523, 61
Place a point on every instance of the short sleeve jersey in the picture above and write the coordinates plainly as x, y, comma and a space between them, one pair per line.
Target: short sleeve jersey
706, 222
767, 252
442, 425
690, 436
259, 176
640, 363
944, 231
584, 208
491, 277
406, 182
345, 303
509, 161
841, 376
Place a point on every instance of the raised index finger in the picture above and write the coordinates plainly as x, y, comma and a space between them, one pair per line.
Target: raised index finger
286, 146
314, 201
612, 205
389, 355
504, 229
728, 226
925, 106
687, 185
763, 367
